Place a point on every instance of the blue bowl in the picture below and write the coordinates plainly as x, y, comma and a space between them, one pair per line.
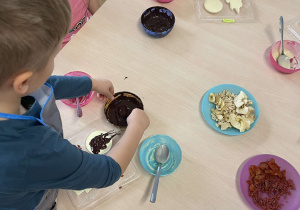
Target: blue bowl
147, 150
206, 106
157, 21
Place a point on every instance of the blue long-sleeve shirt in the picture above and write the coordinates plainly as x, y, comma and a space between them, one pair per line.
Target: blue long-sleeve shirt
34, 157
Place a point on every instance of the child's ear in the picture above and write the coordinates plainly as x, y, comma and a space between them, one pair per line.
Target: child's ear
21, 82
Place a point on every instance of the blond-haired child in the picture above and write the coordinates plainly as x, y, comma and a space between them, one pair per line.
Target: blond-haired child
35, 159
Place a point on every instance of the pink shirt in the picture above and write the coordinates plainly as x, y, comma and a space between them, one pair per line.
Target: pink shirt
80, 15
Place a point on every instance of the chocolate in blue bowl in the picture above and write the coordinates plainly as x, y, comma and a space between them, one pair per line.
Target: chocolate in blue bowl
157, 21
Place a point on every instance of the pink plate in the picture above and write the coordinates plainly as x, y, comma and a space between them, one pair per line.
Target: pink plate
291, 49
292, 202
164, 1
84, 100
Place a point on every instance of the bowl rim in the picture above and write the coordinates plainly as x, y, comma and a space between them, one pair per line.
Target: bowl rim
274, 62
158, 7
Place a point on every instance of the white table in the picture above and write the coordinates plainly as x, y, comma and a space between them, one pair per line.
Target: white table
171, 75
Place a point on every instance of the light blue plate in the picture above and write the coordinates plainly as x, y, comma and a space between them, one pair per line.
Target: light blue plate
206, 106
147, 151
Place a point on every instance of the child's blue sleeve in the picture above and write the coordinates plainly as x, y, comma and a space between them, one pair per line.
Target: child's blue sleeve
58, 164
70, 87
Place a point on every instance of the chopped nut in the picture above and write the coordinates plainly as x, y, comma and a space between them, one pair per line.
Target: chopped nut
211, 98
225, 125
242, 110
232, 110
240, 99
220, 117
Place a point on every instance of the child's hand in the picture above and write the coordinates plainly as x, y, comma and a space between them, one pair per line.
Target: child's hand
102, 97
138, 118
104, 87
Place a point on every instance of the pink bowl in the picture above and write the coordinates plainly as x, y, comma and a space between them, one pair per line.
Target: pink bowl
291, 49
164, 1
84, 100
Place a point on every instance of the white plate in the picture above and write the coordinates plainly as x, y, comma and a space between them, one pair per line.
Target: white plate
89, 139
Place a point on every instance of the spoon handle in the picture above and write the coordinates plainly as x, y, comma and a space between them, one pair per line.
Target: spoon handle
155, 185
79, 110
281, 33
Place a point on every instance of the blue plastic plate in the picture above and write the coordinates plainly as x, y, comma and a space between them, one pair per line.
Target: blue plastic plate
147, 151
206, 106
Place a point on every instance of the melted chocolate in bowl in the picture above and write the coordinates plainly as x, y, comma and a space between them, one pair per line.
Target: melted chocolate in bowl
117, 110
158, 19
158, 22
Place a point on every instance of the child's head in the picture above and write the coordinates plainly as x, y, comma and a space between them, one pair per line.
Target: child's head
30, 31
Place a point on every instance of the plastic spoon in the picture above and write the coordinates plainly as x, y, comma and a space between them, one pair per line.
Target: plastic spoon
161, 156
78, 109
283, 60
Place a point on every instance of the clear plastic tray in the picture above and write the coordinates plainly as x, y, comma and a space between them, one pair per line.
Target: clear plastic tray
95, 197
226, 14
294, 27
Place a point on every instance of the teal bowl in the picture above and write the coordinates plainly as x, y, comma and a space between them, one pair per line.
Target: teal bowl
147, 150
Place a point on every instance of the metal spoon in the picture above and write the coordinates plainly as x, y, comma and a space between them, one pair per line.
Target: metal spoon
283, 60
161, 156
78, 109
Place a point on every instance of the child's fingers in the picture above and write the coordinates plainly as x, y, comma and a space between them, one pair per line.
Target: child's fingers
101, 97
110, 95
104, 98
112, 91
